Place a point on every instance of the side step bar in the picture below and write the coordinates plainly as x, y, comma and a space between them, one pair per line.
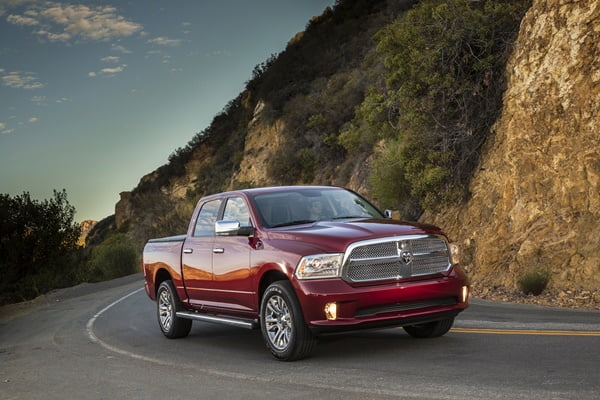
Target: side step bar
240, 323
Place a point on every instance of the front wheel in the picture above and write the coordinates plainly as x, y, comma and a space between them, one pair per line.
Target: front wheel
430, 329
167, 304
283, 328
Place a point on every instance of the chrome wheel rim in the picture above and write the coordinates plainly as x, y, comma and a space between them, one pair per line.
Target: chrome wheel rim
165, 310
278, 322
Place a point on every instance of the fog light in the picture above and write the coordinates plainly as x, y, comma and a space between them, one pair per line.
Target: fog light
465, 294
331, 311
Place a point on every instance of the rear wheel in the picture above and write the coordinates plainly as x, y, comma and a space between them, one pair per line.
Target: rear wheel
283, 328
430, 329
167, 304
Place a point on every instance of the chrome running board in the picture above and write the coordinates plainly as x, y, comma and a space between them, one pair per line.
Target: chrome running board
241, 323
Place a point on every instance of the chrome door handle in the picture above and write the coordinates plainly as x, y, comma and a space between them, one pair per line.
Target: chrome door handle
188, 251
219, 251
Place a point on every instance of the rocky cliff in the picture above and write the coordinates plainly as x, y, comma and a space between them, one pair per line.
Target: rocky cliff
86, 226
535, 202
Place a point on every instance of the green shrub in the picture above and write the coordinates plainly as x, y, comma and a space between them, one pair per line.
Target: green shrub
534, 281
445, 65
115, 257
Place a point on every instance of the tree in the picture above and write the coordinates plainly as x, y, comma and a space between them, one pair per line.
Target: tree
38, 245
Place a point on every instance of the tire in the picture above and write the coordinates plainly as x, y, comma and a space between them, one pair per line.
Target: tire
284, 331
167, 304
430, 329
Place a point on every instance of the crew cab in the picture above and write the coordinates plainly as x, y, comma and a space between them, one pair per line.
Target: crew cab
301, 261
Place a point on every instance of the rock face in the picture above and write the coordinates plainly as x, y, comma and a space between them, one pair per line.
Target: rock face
536, 199
86, 226
262, 141
123, 209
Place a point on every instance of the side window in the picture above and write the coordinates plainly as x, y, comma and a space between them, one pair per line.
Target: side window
237, 209
205, 224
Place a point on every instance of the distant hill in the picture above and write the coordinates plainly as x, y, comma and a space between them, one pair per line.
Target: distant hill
481, 117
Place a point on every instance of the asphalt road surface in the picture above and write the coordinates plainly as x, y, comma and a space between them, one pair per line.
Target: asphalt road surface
102, 341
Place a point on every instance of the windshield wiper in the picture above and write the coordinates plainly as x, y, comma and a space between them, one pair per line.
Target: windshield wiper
297, 222
352, 216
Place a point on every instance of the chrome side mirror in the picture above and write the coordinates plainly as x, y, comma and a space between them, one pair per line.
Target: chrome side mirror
227, 227
232, 227
388, 214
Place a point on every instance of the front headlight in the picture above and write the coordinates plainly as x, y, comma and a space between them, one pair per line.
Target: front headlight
319, 266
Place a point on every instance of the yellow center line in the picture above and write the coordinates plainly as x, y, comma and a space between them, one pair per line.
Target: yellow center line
524, 332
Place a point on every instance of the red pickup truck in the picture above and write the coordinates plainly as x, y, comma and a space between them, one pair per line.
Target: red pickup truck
300, 261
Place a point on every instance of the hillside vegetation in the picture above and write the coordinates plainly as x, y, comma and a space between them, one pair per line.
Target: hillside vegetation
394, 98
39, 249
470, 114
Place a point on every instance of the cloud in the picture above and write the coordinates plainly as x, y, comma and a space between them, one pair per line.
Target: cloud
111, 59
22, 21
8, 4
22, 80
165, 41
65, 22
54, 37
33, 120
8, 131
112, 70
108, 72
38, 99
121, 49
63, 100
2, 125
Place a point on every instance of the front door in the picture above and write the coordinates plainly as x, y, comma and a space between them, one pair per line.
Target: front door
196, 259
232, 276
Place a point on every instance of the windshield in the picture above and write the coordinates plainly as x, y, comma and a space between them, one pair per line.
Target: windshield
310, 205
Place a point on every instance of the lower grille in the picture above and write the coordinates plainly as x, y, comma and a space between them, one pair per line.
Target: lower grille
398, 307
396, 258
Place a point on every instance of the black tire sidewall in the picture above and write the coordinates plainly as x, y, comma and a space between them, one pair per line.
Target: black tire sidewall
431, 329
164, 286
179, 327
282, 289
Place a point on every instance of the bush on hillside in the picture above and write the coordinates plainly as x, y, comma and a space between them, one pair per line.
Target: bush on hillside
443, 90
38, 245
534, 281
115, 257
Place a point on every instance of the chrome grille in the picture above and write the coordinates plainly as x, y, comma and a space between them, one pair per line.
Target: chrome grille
377, 250
382, 259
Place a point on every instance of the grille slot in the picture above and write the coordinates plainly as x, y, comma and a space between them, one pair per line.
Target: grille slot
398, 307
396, 258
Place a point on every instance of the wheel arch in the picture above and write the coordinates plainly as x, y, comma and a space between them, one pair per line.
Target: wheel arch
161, 276
268, 278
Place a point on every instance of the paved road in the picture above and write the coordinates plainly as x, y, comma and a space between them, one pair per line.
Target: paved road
102, 342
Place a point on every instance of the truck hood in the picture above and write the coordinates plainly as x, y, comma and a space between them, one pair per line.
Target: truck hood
335, 236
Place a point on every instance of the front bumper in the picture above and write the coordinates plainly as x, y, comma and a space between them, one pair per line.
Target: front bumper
390, 304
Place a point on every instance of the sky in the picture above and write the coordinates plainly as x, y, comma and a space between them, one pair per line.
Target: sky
96, 94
